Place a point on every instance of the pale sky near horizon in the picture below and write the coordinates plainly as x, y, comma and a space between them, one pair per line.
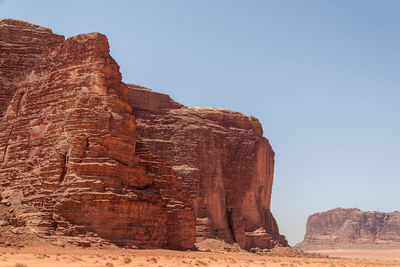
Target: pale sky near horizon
323, 77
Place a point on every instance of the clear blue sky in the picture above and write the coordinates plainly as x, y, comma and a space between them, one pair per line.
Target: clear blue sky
322, 76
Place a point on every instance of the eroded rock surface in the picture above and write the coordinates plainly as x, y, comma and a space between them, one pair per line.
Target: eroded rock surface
21, 46
87, 159
352, 228
67, 151
226, 164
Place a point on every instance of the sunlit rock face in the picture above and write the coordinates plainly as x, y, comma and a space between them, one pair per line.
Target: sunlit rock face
89, 160
226, 164
21, 46
68, 164
352, 228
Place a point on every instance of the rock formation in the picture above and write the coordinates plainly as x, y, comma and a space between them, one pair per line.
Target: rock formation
77, 166
352, 229
226, 164
67, 151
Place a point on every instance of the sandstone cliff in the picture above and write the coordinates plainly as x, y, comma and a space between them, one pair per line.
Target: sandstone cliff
226, 164
67, 152
77, 166
352, 228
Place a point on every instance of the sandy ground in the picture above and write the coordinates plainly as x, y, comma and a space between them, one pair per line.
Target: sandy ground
363, 254
35, 257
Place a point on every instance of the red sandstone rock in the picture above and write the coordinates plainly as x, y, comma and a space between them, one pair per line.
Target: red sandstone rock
352, 229
67, 153
77, 166
21, 45
226, 165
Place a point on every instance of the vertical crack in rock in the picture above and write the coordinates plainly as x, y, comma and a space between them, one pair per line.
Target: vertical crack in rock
15, 109
64, 164
384, 220
20, 96
4, 153
230, 223
87, 144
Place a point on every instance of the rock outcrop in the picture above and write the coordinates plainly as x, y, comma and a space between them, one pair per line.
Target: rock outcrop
89, 160
352, 229
67, 151
226, 164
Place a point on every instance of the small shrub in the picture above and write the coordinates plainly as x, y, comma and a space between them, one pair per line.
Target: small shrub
154, 260
127, 260
200, 262
76, 258
109, 264
20, 265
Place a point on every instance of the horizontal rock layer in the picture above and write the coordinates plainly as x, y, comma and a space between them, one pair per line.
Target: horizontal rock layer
21, 46
352, 229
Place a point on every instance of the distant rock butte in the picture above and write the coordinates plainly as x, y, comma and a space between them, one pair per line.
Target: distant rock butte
352, 229
89, 160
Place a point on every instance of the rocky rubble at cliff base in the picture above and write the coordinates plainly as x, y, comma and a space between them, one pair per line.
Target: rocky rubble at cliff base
219, 246
288, 252
88, 160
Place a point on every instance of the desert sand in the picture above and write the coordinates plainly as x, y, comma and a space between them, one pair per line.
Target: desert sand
363, 254
74, 257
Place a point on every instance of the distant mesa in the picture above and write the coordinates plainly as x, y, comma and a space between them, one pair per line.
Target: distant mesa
88, 160
352, 229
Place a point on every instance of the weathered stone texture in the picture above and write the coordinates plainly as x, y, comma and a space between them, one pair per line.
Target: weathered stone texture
77, 166
67, 153
225, 163
352, 228
21, 45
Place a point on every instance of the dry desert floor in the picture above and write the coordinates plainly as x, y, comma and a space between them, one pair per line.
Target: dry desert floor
61, 257
363, 254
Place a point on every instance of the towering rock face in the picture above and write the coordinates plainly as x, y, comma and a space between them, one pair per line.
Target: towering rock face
77, 166
226, 165
352, 228
67, 152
